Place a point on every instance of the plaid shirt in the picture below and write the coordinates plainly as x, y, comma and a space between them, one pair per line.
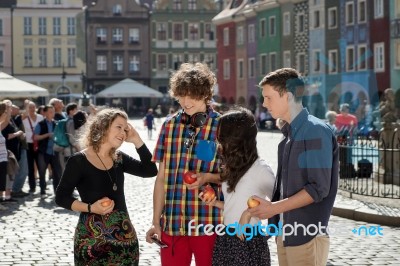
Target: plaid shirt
182, 204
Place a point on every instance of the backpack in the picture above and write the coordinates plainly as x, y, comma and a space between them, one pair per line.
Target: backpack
60, 133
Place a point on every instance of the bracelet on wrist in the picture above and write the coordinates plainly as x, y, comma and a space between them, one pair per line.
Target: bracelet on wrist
89, 208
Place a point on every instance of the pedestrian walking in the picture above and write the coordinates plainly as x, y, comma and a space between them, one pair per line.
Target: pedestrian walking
244, 174
104, 234
47, 156
307, 176
150, 124
186, 143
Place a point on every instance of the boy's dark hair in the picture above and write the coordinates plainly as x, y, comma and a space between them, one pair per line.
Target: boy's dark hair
47, 107
285, 80
237, 132
194, 80
70, 107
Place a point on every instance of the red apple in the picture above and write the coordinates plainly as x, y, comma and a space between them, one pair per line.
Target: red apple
106, 203
208, 193
187, 177
252, 202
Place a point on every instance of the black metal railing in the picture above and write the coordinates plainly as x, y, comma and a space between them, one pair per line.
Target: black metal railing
369, 165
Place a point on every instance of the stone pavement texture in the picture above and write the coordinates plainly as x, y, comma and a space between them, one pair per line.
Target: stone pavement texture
37, 232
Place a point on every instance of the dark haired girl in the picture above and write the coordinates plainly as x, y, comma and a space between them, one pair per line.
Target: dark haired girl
244, 174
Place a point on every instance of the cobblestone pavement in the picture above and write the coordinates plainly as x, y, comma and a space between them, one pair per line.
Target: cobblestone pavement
36, 232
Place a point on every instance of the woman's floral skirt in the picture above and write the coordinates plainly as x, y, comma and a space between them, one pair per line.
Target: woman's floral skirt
105, 240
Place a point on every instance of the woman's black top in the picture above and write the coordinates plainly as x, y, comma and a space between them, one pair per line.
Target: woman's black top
94, 183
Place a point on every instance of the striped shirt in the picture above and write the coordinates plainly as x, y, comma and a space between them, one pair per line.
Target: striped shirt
181, 204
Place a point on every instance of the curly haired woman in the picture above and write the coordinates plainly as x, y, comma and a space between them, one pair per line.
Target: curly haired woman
104, 234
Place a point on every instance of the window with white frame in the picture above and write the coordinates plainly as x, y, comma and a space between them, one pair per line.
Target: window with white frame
397, 54
193, 58
117, 35
27, 26
28, 57
209, 59
332, 18
161, 62
42, 57
118, 63
316, 19
226, 36
240, 69
134, 35
134, 63
263, 28
56, 26
101, 35
287, 62
240, 35
286, 23
101, 63
177, 31
379, 57
333, 61
192, 4
42, 26
117, 10
1, 27
71, 26
350, 58
71, 57
317, 61
162, 31
177, 60
362, 57
378, 9
362, 11
263, 64
272, 26
209, 30
300, 23
252, 67
1, 58
194, 32
349, 14
272, 61
177, 4
56, 57
252, 34
227, 69
301, 63
57, 2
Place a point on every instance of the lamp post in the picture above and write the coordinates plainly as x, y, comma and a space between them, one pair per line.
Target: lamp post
86, 32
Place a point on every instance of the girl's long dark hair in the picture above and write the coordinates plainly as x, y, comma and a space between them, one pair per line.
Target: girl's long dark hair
237, 132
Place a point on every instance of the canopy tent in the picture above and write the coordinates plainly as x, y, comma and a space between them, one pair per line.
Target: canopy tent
11, 87
128, 88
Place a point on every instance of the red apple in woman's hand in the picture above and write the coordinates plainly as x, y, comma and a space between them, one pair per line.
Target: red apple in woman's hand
252, 202
187, 177
208, 193
106, 203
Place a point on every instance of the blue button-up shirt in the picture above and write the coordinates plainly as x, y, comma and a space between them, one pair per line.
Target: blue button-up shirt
50, 143
307, 159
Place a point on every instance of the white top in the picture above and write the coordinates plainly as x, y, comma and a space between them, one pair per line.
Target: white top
259, 180
27, 126
3, 149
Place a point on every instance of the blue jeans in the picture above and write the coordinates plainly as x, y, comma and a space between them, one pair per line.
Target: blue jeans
20, 177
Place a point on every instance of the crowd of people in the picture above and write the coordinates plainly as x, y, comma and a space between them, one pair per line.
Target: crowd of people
208, 170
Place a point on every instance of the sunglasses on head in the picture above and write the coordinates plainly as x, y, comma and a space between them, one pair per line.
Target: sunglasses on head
188, 142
